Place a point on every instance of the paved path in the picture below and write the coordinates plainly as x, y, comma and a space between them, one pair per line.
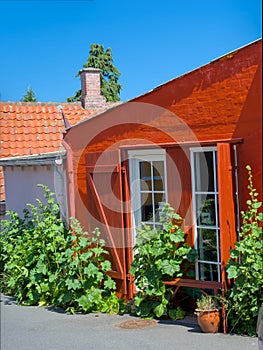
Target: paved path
35, 328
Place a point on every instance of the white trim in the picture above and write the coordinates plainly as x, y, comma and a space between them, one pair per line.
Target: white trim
142, 153
236, 191
214, 193
33, 159
203, 149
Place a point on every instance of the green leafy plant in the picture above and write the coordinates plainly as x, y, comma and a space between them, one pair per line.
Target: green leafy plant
206, 303
31, 247
10, 230
42, 262
83, 284
159, 256
245, 268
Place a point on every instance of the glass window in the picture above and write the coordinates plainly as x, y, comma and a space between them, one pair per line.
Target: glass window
145, 176
206, 209
148, 186
207, 244
205, 179
152, 190
158, 176
208, 272
206, 214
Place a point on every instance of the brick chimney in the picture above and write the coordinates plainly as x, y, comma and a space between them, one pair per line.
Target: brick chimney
90, 89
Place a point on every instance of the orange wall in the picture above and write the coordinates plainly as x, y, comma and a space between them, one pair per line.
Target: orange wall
221, 100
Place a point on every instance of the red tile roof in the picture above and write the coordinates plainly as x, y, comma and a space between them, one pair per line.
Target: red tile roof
28, 128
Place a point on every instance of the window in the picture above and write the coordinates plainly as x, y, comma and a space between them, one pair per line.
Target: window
148, 186
206, 212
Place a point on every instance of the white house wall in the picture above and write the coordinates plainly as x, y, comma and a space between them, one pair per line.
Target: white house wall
21, 185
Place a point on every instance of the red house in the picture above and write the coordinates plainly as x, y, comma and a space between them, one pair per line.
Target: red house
186, 142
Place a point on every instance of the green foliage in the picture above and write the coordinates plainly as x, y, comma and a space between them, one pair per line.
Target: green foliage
98, 58
176, 314
245, 267
29, 96
159, 254
30, 249
44, 263
83, 284
206, 303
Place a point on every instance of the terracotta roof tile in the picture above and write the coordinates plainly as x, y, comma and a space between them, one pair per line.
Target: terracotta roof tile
35, 128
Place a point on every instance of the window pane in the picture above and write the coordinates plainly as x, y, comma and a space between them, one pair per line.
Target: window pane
208, 272
147, 207
207, 244
205, 210
145, 176
158, 176
204, 170
159, 200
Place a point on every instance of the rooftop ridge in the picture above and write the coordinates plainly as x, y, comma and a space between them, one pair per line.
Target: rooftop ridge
39, 103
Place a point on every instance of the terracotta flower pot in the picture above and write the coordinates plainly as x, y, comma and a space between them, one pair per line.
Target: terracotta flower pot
208, 320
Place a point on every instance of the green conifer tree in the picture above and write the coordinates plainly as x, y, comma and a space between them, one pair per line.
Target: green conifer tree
102, 59
29, 96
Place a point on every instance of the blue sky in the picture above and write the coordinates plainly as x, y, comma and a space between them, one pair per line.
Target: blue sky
45, 43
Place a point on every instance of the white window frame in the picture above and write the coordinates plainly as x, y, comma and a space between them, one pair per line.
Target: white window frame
216, 227
135, 156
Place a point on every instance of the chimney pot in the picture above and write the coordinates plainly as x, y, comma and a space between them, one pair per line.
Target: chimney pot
91, 97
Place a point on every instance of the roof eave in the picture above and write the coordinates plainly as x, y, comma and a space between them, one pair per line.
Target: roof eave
34, 159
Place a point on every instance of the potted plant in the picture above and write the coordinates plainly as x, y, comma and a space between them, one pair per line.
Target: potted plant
208, 315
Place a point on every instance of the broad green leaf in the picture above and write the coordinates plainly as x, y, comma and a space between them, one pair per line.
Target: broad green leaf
44, 287
106, 265
256, 205
83, 242
86, 256
177, 237
85, 302
52, 278
98, 250
160, 310
72, 283
91, 270
232, 272
176, 314
41, 268
110, 284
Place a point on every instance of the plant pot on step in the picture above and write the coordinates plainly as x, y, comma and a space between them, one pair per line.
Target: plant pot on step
208, 320
208, 315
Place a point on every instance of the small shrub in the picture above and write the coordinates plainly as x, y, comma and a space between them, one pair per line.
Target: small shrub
42, 262
245, 268
83, 283
159, 255
31, 247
